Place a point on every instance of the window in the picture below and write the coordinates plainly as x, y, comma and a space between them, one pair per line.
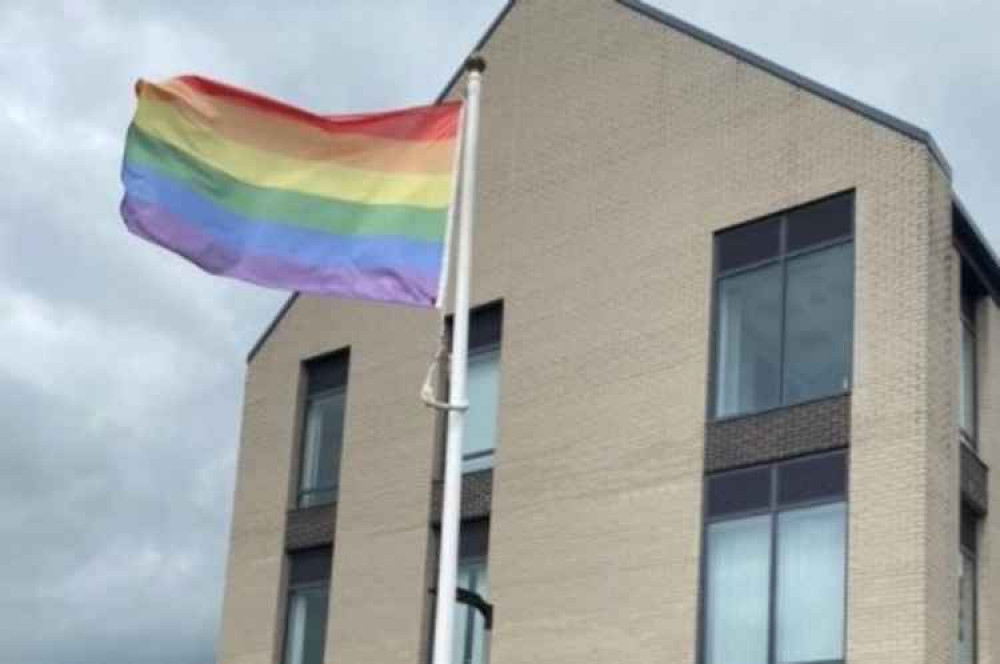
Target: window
323, 429
470, 635
784, 308
483, 387
968, 380
967, 588
306, 612
775, 563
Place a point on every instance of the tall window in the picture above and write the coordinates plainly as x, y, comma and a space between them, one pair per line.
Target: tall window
469, 646
775, 564
323, 430
784, 308
307, 602
967, 588
968, 388
483, 387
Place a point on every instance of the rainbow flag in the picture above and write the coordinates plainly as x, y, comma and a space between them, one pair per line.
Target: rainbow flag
354, 206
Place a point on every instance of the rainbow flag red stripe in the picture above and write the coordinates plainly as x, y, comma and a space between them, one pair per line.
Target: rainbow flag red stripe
242, 185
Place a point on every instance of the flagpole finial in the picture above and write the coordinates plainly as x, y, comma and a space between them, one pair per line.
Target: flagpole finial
476, 63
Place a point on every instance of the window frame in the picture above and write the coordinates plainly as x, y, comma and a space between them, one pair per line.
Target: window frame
774, 510
782, 259
308, 396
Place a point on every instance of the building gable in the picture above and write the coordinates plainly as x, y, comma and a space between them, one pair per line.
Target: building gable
965, 229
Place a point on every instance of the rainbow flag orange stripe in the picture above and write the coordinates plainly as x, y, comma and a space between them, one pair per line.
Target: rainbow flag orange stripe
245, 186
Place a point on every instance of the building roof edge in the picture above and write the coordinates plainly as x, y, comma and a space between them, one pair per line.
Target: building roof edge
974, 248
876, 115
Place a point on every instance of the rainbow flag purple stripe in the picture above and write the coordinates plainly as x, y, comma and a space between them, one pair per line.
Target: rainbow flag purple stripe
354, 206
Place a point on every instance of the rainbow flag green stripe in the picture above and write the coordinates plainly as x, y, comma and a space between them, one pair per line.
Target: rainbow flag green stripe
281, 206
244, 186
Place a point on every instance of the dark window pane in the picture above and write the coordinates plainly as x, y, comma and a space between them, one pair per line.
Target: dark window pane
739, 491
485, 326
737, 591
819, 323
474, 539
327, 373
309, 566
968, 530
749, 244
812, 478
748, 347
972, 291
820, 222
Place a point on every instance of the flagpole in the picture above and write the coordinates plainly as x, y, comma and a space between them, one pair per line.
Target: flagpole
452, 495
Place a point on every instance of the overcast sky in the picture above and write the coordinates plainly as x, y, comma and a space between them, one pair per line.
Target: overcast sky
121, 366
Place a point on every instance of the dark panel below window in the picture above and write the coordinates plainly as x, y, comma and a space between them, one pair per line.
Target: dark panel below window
778, 434
310, 527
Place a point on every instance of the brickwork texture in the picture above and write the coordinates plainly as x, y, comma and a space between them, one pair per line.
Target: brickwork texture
612, 148
778, 434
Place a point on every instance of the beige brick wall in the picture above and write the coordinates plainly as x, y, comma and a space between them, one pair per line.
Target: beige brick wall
378, 569
612, 148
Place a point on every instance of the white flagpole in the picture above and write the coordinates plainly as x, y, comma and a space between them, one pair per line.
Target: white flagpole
451, 505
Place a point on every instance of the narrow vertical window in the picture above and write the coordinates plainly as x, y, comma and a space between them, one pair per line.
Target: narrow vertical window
306, 606
811, 584
323, 429
483, 387
775, 564
968, 379
784, 308
967, 588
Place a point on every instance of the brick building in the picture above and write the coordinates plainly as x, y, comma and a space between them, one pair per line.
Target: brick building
735, 381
